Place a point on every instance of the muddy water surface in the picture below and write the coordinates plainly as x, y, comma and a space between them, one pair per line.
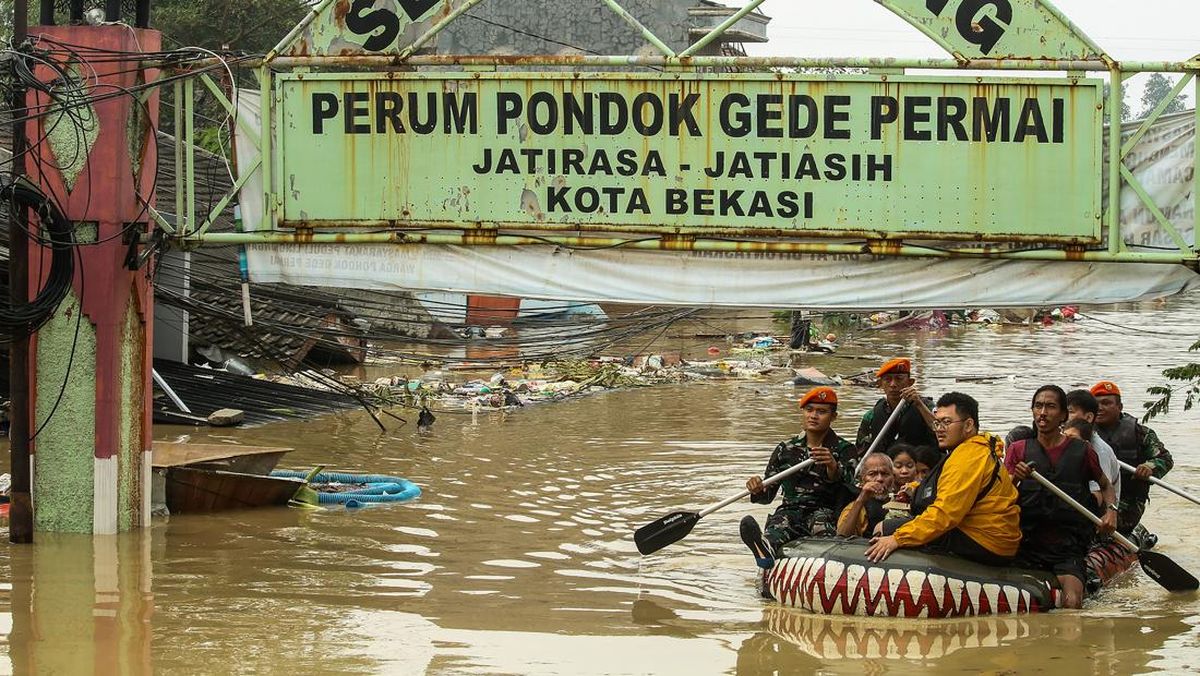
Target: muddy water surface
518, 558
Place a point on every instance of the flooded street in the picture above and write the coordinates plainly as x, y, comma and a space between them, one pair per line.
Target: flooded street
518, 557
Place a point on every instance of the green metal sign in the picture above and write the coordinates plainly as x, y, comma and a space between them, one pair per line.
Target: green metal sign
881, 155
998, 29
340, 27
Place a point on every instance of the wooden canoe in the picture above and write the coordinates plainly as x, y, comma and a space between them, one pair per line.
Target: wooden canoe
244, 459
194, 490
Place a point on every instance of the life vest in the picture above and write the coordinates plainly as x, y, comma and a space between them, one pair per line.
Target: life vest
1039, 507
876, 513
926, 493
910, 428
1126, 441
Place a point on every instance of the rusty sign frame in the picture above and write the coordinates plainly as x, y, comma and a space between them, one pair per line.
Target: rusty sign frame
193, 228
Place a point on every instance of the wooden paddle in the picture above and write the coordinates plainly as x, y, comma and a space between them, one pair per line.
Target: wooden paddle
1159, 482
676, 525
1157, 565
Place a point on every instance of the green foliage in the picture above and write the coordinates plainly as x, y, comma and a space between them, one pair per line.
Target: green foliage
1189, 375
1158, 87
213, 140
253, 26
244, 25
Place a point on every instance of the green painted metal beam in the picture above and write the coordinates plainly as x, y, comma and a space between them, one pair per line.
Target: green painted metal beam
1154, 115
437, 28
736, 62
688, 244
720, 29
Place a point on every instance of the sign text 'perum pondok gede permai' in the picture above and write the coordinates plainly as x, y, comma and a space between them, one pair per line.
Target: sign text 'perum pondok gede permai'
895, 155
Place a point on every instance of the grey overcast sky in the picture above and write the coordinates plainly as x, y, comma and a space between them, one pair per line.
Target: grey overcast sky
1140, 30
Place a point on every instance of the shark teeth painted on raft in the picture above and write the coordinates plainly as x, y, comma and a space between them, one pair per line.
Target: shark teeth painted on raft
807, 583
955, 586
830, 591
915, 580
974, 589
993, 592
1011, 594
785, 581
894, 577
792, 584
937, 586
854, 594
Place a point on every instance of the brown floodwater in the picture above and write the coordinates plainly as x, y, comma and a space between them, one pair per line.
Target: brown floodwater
518, 557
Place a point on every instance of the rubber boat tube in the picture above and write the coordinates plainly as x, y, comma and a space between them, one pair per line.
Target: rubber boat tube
833, 577
379, 487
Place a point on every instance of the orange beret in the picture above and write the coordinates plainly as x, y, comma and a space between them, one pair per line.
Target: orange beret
1105, 387
819, 395
899, 365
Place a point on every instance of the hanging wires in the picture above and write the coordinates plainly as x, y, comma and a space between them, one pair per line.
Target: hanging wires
56, 232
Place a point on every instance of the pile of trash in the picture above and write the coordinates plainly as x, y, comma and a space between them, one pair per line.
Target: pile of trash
555, 381
941, 319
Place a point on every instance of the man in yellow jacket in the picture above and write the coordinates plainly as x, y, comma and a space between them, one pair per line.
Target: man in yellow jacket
967, 505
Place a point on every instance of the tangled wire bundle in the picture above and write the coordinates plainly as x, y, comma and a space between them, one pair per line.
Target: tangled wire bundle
55, 232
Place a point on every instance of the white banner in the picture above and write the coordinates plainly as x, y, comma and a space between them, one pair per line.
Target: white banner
716, 278
1162, 161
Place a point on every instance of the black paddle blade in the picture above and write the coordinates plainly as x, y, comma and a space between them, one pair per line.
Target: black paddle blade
1166, 572
658, 534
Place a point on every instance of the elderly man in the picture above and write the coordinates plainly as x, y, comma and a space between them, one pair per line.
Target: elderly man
968, 504
811, 499
1136, 445
915, 426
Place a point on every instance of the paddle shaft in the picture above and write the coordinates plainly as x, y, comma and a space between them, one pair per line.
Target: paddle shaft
879, 437
766, 482
1081, 509
808, 463
1159, 482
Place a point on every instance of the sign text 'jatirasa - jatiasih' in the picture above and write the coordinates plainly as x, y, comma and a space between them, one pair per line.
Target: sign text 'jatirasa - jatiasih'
903, 155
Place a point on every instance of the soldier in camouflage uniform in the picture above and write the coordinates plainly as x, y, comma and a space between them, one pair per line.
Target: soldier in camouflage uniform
1134, 444
813, 498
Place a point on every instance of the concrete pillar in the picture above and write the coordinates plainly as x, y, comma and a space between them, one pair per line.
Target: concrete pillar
90, 364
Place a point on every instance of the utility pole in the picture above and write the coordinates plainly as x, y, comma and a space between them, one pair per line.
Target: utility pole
20, 515
84, 382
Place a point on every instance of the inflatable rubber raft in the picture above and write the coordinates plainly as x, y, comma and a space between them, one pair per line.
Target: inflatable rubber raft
831, 576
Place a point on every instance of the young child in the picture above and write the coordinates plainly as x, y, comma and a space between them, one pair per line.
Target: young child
910, 465
867, 511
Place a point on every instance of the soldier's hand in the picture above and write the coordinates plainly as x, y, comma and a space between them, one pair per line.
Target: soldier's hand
1144, 471
755, 485
1022, 471
1108, 523
824, 458
910, 394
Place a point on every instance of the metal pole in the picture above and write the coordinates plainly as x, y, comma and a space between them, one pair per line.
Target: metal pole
112, 10
45, 13
20, 528
142, 14
1116, 94
76, 11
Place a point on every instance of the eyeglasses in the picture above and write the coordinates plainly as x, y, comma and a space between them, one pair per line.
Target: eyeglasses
945, 423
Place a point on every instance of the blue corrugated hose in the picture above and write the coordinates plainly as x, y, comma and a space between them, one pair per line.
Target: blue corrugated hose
379, 487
